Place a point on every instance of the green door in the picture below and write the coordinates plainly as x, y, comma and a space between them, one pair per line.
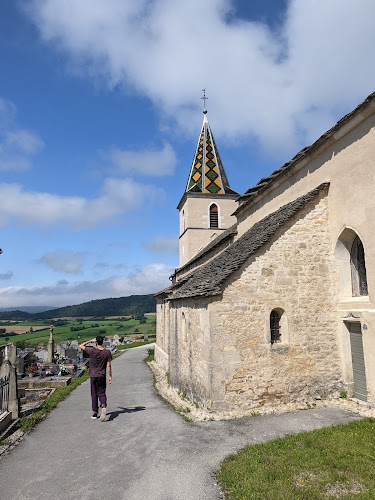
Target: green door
358, 361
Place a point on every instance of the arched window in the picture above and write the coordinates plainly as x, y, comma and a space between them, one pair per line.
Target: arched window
214, 216
275, 318
358, 268
183, 327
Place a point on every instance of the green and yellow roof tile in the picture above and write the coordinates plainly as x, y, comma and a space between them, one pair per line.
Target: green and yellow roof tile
207, 174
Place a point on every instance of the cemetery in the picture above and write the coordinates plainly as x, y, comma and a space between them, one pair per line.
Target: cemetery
29, 376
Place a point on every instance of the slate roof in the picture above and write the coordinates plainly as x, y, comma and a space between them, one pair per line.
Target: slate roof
208, 280
228, 233
263, 184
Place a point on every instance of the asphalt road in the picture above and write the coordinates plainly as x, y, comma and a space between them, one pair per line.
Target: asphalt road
144, 451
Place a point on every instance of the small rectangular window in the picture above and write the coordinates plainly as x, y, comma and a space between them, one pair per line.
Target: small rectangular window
275, 327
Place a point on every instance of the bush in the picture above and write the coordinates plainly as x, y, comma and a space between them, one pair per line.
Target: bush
150, 356
21, 344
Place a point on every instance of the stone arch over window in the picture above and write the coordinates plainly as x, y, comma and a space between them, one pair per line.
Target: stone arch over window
214, 215
350, 255
278, 330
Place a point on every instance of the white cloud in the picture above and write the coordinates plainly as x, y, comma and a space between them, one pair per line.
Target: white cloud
24, 140
64, 261
16, 145
283, 86
156, 163
105, 265
30, 207
161, 244
6, 276
150, 279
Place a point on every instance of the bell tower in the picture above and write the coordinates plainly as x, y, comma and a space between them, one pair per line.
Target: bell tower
208, 202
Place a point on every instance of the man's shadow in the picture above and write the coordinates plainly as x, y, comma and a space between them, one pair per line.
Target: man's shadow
114, 414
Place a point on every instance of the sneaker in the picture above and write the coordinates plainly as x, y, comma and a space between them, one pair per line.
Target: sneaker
94, 416
103, 413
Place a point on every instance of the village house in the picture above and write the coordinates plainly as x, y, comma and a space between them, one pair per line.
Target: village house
274, 299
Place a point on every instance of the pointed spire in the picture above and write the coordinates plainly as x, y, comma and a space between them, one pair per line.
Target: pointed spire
207, 174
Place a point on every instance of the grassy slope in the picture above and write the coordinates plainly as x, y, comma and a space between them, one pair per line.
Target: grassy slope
336, 462
62, 333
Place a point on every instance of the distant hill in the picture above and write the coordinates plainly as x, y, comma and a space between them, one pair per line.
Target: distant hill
123, 306
29, 309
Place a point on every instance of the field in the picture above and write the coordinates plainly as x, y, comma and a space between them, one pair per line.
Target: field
22, 328
82, 330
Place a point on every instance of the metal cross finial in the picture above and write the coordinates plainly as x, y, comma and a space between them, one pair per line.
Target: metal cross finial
204, 101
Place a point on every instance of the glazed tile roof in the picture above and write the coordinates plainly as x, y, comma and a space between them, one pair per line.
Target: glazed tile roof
208, 280
264, 183
207, 174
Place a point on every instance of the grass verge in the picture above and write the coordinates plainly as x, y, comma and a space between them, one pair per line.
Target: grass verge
150, 357
335, 462
134, 344
26, 423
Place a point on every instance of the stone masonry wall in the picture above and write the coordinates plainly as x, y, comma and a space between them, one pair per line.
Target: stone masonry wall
296, 273
162, 335
190, 349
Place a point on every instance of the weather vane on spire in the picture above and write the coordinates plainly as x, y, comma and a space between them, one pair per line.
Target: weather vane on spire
204, 101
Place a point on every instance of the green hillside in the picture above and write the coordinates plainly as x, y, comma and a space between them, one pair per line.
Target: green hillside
80, 330
134, 305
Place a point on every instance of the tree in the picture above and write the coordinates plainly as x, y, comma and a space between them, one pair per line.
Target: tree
20, 344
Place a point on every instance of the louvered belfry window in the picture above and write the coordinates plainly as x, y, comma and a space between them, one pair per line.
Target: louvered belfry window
275, 318
358, 268
214, 216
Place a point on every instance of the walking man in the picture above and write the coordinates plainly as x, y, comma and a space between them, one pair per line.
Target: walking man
100, 361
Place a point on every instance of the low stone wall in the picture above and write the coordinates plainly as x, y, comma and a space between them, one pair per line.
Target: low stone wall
37, 383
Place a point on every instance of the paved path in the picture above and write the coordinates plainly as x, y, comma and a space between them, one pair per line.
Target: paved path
144, 451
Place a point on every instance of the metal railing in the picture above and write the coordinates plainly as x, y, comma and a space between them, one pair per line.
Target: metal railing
4, 393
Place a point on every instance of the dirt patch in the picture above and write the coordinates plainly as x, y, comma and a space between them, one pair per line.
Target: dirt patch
342, 490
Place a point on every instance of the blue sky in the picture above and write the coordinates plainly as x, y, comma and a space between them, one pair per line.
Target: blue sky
100, 112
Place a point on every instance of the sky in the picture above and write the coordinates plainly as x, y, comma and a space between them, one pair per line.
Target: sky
100, 112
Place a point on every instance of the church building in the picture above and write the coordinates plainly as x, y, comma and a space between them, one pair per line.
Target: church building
274, 299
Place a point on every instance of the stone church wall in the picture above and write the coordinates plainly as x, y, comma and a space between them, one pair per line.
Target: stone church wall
184, 334
162, 335
294, 273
